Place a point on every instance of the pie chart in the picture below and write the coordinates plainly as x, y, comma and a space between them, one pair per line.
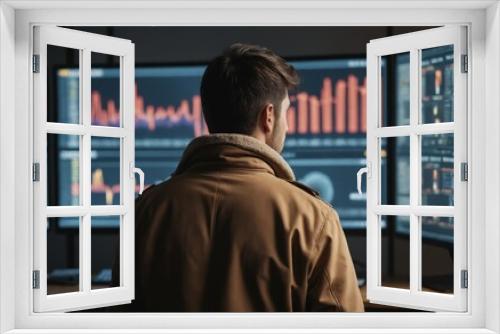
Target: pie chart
320, 182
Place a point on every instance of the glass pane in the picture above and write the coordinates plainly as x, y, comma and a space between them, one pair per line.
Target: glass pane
63, 273
437, 169
63, 170
395, 89
395, 171
437, 254
105, 171
105, 88
437, 84
105, 243
395, 261
63, 85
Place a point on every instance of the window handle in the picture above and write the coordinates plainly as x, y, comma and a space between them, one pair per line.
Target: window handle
134, 170
141, 179
361, 171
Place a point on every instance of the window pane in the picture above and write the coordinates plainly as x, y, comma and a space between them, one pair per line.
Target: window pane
63, 170
63, 85
105, 239
437, 254
105, 171
395, 171
437, 169
105, 88
395, 89
395, 261
437, 84
63, 273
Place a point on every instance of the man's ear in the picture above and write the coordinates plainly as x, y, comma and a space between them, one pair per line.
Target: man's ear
267, 118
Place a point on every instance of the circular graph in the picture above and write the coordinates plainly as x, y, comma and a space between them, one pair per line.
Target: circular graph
320, 182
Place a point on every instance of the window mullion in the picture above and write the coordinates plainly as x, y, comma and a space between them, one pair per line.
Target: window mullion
415, 244
85, 227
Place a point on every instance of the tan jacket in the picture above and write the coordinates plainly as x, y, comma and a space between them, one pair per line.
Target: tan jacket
232, 231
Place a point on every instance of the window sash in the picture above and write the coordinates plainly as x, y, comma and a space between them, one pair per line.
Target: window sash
85, 43
413, 43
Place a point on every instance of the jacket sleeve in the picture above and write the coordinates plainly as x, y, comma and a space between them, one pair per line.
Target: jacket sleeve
332, 283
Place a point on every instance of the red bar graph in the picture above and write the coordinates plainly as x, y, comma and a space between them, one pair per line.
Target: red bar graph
314, 113
303, 112
340, 110
353, 107
362, 92
340, 106
327, 105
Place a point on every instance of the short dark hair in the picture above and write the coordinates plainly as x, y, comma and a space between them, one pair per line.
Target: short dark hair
238, 84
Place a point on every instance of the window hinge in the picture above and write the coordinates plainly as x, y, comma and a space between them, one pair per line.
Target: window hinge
36, 172
464, 167
36, 279
464, 279
36, 63
465, 66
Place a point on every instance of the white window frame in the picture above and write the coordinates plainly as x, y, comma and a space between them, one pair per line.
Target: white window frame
16, 215
85, 44
413, 44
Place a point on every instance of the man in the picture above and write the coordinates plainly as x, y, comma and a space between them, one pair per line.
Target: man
232, 230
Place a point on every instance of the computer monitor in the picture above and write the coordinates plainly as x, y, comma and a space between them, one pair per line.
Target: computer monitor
326, 141
325, 145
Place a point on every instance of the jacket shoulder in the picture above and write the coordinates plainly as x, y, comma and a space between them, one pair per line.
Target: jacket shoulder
313, 193
305, 188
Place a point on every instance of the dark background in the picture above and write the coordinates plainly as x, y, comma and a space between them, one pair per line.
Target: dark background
195, 45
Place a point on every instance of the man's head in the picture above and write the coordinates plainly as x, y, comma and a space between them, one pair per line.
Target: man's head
245, 90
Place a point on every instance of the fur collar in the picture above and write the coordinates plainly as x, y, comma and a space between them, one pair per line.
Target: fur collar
265, 152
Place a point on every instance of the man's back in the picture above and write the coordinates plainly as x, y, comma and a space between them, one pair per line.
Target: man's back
231, 231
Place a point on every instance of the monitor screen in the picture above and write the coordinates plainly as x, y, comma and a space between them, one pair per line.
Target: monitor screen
325, 145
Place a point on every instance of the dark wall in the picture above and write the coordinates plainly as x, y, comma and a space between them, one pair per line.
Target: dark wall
161, 45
